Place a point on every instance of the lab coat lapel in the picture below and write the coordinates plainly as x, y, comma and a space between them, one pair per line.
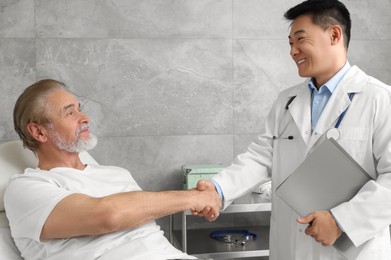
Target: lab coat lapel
300, 110
338, 103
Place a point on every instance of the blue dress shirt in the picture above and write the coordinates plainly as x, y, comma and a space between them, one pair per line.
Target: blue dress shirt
321, 97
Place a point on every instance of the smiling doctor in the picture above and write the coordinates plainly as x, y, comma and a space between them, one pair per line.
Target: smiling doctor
335, 96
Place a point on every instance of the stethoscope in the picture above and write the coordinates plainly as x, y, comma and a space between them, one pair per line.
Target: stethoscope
331, 133
226, 236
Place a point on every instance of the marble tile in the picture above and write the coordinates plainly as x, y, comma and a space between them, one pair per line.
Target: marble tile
255, 19
17, 71
17, 19
168, 82
262, 68
264, 19
146, 87
134, 18
374, 22
373, 57
155, 161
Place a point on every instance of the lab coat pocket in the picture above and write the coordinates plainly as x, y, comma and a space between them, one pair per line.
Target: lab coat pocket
354, 140
288, 152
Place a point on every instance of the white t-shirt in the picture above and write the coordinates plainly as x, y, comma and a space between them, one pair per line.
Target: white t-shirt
30, 197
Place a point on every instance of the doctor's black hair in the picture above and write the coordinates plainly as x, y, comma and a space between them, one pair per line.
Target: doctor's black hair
324, 13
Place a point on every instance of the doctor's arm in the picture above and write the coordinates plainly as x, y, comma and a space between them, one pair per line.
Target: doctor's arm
368, 213
79, 214
247, 169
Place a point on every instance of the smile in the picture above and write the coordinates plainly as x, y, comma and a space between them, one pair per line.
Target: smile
300, 61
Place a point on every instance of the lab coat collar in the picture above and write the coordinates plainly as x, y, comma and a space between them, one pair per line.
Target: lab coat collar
332, 84
300, 107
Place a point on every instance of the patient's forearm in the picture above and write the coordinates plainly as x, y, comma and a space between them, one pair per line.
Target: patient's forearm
136, 208
79, 214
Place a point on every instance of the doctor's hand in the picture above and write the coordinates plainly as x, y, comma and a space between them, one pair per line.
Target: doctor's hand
322, 227
211, 212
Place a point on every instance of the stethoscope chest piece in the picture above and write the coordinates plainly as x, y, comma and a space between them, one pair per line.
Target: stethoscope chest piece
227, 236
333, 133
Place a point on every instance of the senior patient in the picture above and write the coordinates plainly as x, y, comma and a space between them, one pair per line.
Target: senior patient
64, 209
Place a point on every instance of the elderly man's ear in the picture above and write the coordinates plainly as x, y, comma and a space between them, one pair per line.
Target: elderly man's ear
38, 132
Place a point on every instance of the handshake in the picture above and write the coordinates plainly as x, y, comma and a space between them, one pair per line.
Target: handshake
207, 202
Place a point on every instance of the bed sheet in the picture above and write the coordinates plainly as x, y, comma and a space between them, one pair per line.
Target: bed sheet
8, 249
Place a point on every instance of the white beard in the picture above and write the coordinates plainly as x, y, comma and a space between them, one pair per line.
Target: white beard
77, 146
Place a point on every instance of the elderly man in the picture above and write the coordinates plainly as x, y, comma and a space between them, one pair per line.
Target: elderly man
64, 209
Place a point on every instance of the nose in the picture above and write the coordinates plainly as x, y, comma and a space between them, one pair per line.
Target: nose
294, 50
83, 118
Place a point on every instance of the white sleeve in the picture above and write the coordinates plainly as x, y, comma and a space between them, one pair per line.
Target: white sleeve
250, 168
369, 212
28, 202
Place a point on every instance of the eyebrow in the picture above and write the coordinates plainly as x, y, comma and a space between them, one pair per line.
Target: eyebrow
68, 106
71, 106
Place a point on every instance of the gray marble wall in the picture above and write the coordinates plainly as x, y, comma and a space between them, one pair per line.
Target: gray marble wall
168, 82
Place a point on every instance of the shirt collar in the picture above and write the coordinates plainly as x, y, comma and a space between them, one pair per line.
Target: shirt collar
332, 84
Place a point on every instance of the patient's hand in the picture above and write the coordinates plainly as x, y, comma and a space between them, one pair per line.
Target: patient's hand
211, 211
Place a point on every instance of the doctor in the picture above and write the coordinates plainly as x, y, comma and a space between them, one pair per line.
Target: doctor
335, 96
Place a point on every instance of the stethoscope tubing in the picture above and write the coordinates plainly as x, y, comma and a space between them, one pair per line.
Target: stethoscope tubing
291, 137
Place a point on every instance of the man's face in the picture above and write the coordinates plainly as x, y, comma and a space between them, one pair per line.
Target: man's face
68, 129
310, 49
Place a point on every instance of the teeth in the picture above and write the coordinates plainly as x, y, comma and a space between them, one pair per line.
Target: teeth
300, 61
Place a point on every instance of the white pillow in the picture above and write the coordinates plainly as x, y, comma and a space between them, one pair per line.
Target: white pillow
13, 159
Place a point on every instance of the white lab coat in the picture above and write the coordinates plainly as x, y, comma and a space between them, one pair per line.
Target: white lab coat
365, 134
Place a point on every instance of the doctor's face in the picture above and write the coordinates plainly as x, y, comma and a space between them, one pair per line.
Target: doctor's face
311, 49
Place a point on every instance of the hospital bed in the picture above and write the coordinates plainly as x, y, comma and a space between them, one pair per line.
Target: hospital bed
14, 159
